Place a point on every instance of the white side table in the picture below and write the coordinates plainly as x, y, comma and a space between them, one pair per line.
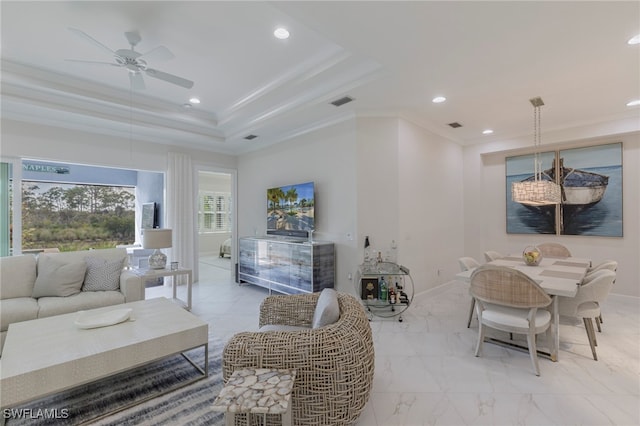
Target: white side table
257, 391
166, 272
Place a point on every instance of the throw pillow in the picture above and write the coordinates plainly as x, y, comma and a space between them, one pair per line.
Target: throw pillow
327, 309
102, 274
58, 278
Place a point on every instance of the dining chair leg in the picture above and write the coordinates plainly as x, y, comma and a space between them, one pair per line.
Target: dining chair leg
533, 352
597, 319
471, 309
480, 337
588, 325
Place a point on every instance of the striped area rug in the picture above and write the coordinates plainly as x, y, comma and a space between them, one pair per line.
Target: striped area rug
185, 406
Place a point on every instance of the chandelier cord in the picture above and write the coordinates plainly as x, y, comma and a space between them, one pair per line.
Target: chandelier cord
536, 143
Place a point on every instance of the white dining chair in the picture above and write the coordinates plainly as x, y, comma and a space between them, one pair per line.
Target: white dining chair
467, 263
553, 250
587, 303
611, 265
508, 300
491, 255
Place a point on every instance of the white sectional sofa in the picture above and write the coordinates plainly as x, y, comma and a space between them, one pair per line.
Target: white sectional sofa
58, 283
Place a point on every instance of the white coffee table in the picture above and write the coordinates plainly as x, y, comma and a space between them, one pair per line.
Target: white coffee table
49, 355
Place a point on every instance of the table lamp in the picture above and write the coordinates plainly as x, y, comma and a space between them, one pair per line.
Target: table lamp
157, 239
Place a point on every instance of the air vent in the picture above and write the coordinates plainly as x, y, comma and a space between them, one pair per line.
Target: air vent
250, 137
455, 124
342, 101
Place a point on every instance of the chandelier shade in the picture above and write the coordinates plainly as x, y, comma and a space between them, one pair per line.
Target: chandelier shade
536, 191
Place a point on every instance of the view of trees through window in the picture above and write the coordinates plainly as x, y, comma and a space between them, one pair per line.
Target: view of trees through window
76, 217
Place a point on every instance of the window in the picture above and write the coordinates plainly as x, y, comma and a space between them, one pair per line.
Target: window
76, 216
214, 212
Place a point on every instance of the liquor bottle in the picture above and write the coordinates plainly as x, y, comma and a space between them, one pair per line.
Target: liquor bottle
383, 290
392, 296
367, 251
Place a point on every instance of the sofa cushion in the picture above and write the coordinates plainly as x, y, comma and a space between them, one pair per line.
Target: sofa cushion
327, 309
17, 309
57, 277
50, 306
80, 255
102, 274
17, 276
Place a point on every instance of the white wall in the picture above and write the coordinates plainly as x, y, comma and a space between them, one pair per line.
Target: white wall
410, 192
326, 157
485, 211
430, 206
377, 192
374, 177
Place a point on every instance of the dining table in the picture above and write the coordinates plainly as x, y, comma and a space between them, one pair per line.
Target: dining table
558, 277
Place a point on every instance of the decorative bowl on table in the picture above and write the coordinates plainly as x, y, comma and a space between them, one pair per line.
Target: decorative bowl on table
531, 256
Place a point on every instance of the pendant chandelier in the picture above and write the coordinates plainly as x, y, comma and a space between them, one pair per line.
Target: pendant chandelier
538, 190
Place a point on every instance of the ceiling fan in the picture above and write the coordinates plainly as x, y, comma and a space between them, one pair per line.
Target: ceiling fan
135, 62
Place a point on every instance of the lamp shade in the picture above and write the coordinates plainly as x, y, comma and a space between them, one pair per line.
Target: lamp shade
156, 238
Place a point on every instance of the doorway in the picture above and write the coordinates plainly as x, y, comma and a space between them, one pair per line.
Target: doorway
216, 247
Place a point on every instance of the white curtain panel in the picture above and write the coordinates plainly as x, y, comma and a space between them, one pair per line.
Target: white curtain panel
180, 208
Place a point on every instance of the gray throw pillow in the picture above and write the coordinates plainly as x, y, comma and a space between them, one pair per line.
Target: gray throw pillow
58, 278
102, 274
327, 309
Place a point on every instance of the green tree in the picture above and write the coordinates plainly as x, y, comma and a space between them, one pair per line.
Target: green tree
53, 198
291, 196
76, 198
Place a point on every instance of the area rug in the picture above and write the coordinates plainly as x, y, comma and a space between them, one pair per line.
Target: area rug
189, 405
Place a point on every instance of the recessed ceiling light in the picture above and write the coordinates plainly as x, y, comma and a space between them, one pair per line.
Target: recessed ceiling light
634, 40
194, 101
186, 105
438, 99
281, 33
487, 132
634, 103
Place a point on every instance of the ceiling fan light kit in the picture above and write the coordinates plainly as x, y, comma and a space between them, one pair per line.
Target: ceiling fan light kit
134, 61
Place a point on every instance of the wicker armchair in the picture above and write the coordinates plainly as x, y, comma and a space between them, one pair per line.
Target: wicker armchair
334, 363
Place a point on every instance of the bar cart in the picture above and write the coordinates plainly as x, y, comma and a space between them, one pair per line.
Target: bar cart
386, 289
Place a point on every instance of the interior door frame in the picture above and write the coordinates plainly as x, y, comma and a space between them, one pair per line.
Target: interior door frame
234, 215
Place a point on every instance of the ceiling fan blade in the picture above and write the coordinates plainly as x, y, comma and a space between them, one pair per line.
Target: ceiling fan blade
137, 82
160, 53
93, 62
91, 40
188, 84
133, 37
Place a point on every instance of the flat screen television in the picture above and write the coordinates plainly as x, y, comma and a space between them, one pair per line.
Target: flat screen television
149, 216
290, 210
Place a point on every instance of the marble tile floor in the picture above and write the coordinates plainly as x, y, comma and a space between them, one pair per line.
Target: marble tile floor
426, 372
